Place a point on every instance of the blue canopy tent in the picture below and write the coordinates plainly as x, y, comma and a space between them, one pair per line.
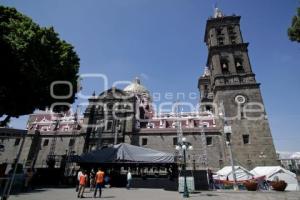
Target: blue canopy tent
126, 153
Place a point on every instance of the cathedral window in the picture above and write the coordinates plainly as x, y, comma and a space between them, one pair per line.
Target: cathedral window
175, 141
17, 141
220, 40
71, 142
208, 141
233, 39
239, 65
208, 108
231, 30
144, 141
246, 139
100, 109
46, 142
109, 125
220, 36
241, 102
224, 66
110, 106
242, 115
219, 31
232, 34
196, 123
228, 137
167, 124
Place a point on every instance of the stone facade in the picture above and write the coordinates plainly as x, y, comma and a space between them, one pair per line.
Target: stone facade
108, 118
40, 147
10, 143
53, 136
166, 139
49, 135
144, 127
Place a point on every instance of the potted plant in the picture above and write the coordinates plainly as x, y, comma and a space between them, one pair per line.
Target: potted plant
251, 185
279, 185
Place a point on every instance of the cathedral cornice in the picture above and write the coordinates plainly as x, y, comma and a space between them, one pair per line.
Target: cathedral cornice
172, 131
228, 47
235, 86
232, 75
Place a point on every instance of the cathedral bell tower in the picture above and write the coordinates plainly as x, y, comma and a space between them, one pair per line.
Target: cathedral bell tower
228, 85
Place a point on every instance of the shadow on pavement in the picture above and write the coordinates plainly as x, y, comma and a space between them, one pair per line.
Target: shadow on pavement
210, 195
17, 193
91, 197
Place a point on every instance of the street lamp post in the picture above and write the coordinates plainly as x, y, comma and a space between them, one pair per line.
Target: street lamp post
235, 186
184, 146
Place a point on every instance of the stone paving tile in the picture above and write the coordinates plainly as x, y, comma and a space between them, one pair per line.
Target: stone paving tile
153, 194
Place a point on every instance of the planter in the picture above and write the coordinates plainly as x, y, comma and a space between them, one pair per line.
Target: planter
279, 185
251, 185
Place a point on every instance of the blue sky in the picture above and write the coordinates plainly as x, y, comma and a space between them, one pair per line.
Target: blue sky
161, 41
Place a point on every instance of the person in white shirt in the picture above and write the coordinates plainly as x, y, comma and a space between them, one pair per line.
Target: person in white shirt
129, 178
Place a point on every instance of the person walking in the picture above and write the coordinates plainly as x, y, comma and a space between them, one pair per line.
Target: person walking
78, 179
28, 179
99, 182
92, 180
129, 178
82, 184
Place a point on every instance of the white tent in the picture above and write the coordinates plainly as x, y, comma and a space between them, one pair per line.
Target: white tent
276, 171
226, 174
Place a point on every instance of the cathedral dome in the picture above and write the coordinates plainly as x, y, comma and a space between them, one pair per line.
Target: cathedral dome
136, 87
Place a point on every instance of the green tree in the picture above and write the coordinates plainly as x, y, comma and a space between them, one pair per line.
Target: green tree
294, 30
31, 58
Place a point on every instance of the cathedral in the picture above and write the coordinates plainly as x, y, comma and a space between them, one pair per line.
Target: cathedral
229, 96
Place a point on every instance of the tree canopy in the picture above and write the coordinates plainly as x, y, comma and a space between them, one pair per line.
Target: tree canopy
31, 58
294, 30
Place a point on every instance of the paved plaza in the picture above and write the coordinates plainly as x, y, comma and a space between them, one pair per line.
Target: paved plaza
152, 194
